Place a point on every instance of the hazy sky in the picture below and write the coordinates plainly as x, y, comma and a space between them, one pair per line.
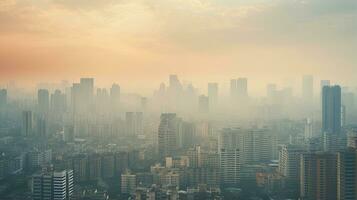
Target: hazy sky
136, 42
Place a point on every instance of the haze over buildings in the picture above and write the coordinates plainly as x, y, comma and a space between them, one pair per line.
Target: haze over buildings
178, 100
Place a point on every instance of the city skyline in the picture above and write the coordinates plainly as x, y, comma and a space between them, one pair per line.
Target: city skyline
178, 99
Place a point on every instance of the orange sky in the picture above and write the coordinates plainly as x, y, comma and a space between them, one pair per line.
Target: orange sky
140, 42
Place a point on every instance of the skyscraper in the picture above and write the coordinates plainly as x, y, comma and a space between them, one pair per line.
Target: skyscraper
255, 144
187, 138
318, 176
167, 135
230, 161
134, 123
348, 102
174, 82
82, 95
115, 96
203, 104
324, 83
331, 116
86, 92
230, 166
43, 99
128, 183
69, 133
195, 156
242, 88
27, 123
308, 129
53, 185
346, 174
213, 94
41, 125
58, 101
239, 89
76, 97
308, 89
289, 164
331, 109
87, 87
3, 98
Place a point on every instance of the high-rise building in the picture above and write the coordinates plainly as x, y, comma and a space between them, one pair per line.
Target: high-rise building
134, 123
83, 94
203, 104
38, 158
69, 133
53, 185
108, 165
187, 136
170, 179
3, 98
308, 129
76, 97
213, 94
130, 123
80, 168
167, 135
43, 99
318, 176
289, 163
242, 87
331, 116
115, 94
102, 100
194, 155
324, 83
271, 91
174, 82
308, 89
95, 167
121, 162
239, 89
346, 174
87, 87
352, 138
128, 183
258, 145
255, 145
27, 123
41, 125
343, 115
58, 102
230, 161
230, 166
348, 102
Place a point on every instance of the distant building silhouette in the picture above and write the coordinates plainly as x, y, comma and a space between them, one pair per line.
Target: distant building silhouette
213, 94
167, 135
27, 123
43, 99
331, 116
203, 104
